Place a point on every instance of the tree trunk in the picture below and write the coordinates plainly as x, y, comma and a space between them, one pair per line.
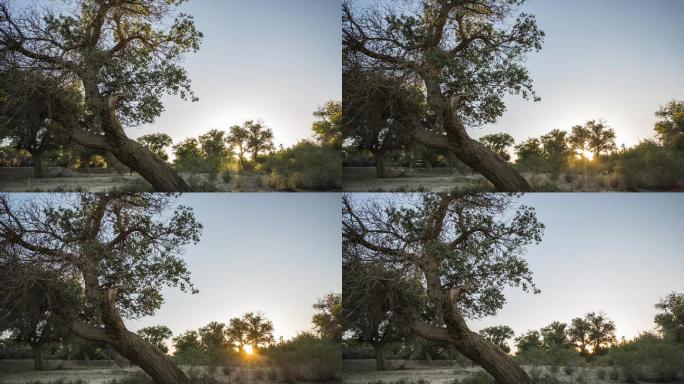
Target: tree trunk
38, 363
471, 152
379, 164
380, 362
128, 344
478, 349
37, 164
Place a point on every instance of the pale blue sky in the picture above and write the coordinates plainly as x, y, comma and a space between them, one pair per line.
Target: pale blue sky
273, 60
617, 253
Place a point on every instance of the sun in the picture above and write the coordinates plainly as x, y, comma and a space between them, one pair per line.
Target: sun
587, 154
249, 349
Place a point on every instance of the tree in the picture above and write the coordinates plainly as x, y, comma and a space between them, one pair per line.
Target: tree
125, 55
529, 341
327, 129
465, 54
33, 110
215, 151
556, 151
379, 113
530, 155
499, 336
251, 329
592, 333
555, 335
601, 138
36, 305
259, 138
499, 143
237, 138
213, 341
327, 319
157, 336
670, 124
259, 330
671, 319
462, 250
157, 143
187, 341
377, 303
124, 248
579, 140
188, 155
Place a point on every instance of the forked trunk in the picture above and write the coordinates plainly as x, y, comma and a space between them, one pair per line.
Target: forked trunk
38, 362
380, 362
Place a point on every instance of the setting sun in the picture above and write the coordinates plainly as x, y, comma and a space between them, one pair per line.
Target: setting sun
249, 349
587, 154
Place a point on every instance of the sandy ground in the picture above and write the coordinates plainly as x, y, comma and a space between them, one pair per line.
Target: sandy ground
444, 372
20, 372
20, 180
359, 179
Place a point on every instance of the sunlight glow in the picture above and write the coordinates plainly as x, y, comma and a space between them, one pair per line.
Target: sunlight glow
249, 349
587, 154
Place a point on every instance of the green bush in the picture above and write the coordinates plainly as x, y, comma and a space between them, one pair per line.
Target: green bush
307, 358
651, 166
304, 166
649, 358
481, 377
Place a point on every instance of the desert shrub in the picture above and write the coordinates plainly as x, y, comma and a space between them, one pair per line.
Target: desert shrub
136, 378
272, 374
648, 358
226, 176
651, 166
306, 165
190, 356
308, 358
614, 374
569, 370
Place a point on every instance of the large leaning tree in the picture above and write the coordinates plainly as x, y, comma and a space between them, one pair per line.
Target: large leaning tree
462, 249
124, 54
466, 54
123, 249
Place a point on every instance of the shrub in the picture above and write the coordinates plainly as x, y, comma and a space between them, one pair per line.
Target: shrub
569, 370
304, 166
308, 358
481, 377
601, 373
648, 358
226, 176
651, 166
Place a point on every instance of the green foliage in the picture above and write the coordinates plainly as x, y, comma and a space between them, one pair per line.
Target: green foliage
308, 358
156, 335
207, 153
601, 138
157, 143
328, 128
649, 358
327, 319
592, 334
253, 329
670, 124
259, 138
499, 143
528, 341
530, 155
651, 166
480, 377
499, 336
671, 319
304, 166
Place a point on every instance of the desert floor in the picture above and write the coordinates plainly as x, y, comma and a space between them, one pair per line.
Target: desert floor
359, 179
444, 372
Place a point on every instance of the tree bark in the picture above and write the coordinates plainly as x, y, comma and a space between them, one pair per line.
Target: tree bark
37, 164
380, 362
129, 152
379, 164
38, 362
128, 344
469, 151
478, 349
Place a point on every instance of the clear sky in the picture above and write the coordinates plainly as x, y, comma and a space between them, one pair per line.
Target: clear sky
273, 60
619, 60
617, 253
276, 253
